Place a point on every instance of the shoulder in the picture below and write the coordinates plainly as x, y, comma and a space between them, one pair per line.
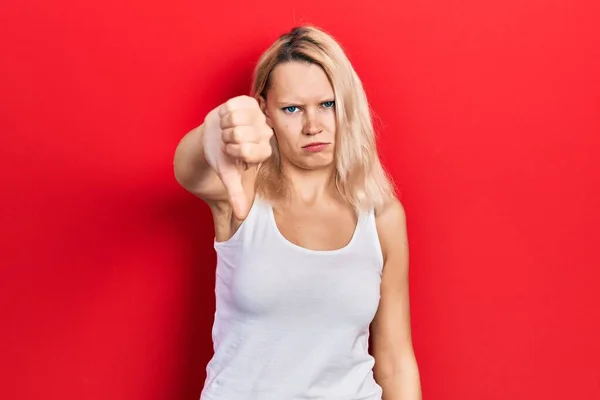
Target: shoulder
391, 227
391, 218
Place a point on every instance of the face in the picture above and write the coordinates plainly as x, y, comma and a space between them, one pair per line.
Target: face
300, 107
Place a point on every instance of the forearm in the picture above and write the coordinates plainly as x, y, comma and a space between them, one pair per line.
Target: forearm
192, 171
402, 384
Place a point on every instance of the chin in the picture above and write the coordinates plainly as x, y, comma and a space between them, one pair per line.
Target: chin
316, 164
309, 162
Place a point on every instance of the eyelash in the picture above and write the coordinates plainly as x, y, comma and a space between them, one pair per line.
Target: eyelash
287, 109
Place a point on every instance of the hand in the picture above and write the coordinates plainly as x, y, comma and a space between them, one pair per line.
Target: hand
236, 135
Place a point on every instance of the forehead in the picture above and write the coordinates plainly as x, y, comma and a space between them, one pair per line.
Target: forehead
296, 81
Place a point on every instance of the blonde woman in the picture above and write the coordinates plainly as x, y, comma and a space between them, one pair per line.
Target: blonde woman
312, 296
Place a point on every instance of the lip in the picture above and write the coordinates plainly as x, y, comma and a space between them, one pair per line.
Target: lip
315, 147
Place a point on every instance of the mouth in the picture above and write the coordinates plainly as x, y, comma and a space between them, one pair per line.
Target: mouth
315, 147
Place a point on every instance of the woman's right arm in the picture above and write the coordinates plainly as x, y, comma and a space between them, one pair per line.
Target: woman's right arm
218, 160
193, 172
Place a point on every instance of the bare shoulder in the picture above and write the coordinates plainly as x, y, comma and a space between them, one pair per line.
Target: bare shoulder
391, 227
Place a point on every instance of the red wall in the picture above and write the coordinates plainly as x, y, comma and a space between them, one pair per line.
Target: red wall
489, 114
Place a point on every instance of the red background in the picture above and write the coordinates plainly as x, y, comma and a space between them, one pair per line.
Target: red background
489, 115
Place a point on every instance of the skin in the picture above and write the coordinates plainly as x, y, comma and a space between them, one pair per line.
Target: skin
299, 107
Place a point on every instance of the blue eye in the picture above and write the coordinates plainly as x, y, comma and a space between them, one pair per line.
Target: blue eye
328, 104
290, 109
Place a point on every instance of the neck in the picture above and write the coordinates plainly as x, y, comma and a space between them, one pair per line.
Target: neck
309, 186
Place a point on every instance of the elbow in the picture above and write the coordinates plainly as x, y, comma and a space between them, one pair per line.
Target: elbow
390, 367
179, 170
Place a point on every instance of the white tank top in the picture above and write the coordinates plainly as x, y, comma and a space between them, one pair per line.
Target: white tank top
293, 323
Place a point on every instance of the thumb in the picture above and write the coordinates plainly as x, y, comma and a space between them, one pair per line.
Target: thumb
232, 180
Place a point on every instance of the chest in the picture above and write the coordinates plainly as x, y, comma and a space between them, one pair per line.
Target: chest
314, 229
295, 287
312, 268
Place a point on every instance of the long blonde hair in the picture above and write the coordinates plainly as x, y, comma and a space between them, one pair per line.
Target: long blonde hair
360, 177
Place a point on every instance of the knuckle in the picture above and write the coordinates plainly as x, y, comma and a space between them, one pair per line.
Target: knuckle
235, 117
237, 134
227, 136
246, 150
250, 101
259, 112
266, 134
228, 106
234, 150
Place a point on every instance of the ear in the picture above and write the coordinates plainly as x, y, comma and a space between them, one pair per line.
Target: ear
263, 106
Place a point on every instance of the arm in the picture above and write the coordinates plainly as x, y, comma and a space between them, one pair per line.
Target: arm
193, 172
212, 161
396, 369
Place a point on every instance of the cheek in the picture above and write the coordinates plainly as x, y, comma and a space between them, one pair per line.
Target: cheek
286, 129
330, 122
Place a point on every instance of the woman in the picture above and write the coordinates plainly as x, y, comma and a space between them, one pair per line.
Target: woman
312, 297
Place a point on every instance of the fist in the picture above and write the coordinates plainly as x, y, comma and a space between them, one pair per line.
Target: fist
236, 135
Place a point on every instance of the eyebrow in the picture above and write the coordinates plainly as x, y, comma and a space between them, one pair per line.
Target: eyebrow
296, 103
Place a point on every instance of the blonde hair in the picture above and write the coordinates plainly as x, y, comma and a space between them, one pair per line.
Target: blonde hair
360, 177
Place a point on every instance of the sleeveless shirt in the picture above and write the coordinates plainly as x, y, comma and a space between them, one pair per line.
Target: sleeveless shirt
292, 323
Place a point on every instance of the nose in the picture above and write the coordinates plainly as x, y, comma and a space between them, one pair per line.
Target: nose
311, 125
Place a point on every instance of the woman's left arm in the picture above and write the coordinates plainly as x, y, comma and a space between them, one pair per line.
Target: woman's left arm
396, 369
